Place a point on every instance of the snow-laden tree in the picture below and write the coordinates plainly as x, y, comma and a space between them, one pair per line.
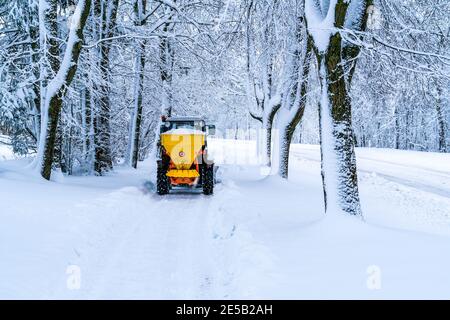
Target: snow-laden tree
19, 74
57, 74
139, 9
402, 79
265, 60
105, 13
336, 60
295, 88
229, 61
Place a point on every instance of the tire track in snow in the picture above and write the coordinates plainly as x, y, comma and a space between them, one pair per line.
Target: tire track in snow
190, 266
154, 247
203, 254
141, 245
125, 264
422, 168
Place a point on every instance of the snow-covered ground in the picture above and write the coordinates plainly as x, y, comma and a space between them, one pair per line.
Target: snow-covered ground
6, 152
256, 237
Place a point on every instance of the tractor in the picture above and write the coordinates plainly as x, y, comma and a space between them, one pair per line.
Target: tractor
183, 161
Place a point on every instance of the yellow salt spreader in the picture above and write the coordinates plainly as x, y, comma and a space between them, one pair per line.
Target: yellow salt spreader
183, 155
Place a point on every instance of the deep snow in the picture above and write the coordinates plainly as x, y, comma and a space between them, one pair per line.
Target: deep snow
256, 237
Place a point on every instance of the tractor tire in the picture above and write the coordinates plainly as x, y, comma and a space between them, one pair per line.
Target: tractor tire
208, 180
162, 182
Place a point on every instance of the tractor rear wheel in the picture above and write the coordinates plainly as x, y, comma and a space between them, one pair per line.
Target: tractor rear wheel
162, 181
208, 180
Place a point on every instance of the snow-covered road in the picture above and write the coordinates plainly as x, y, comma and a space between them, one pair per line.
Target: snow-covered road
428, 172
402, 189
157, 248
256, 237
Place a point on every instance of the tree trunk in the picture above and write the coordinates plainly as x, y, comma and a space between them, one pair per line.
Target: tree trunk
166, 70
286, 137
36, 87
441, 123
136, 119
49, 115
336, 133
137, 112
55, 90
58, 159
288, 130
87, 127
267, 127
408, 144
339, 175
103, 155
397, 128
298, 94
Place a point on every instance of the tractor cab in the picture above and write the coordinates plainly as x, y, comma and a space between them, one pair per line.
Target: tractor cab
183, 123
183, 155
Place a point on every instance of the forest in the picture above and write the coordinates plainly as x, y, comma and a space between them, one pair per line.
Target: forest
333, 102
83, 84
